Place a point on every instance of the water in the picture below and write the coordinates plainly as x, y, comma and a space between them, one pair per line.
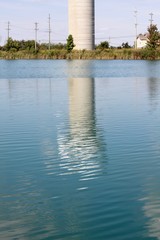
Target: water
79, 150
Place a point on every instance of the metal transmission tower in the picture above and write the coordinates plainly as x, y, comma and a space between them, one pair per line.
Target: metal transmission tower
82, 23
36, 30
136, 26
49, 31
151, 19
8, 30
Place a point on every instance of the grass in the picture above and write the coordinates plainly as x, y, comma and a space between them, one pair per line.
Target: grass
125, 54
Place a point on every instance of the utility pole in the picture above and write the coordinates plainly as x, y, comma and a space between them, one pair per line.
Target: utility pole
36, 30
8, 30
151, 19
136, 26
109, 41
49, 31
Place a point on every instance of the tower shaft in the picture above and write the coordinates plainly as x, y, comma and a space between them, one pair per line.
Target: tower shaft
81, 23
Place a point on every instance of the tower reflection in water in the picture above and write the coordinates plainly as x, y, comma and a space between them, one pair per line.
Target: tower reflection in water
82, 149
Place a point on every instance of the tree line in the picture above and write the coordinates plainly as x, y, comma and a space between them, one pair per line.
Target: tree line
150, 51
29, 45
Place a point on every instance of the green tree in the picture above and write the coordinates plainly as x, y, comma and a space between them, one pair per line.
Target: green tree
9, 45
153, 37
30, 46
126, 45
153, 41
70, 44
103, 45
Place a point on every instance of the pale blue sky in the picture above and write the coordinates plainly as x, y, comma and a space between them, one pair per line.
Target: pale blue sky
114, 19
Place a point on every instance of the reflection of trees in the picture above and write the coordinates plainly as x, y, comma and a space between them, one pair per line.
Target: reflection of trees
153, 84
82, 149
154, 90
152, 70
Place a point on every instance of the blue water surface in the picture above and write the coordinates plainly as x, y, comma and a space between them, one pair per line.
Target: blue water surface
79, 150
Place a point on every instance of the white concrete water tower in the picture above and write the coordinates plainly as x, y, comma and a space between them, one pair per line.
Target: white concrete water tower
82, 23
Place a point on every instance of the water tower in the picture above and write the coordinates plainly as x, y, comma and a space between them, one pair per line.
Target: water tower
81, 23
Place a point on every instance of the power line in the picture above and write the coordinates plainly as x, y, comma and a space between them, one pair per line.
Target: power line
49, 31
129, 36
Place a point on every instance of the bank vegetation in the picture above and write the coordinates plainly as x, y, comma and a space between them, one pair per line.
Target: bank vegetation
125, 54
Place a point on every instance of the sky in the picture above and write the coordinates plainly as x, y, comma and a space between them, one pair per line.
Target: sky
115, 20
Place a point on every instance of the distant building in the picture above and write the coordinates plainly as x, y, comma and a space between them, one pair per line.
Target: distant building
142, 40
